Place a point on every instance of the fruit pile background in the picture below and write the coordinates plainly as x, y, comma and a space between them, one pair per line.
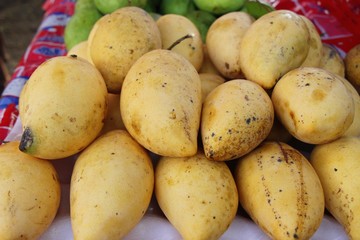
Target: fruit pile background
8, 100
338, 26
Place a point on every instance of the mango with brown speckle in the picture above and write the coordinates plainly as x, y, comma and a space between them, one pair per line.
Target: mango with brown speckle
118, 39
281, 191
314, 105
160, 103
223, 42
337, 165
237, 116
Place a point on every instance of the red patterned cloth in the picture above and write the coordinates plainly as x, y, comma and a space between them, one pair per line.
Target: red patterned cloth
48, 42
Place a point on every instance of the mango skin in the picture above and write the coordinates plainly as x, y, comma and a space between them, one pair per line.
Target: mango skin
111, 187
352, 70
236, 117
331, 60
160, 103
198, 196
274, 44
62, 107
313, 58
223, 41
337, 165
329, 110
172, 27
118, 39
30, 190
281, 191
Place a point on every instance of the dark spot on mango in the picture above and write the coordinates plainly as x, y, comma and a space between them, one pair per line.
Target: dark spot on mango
27, 139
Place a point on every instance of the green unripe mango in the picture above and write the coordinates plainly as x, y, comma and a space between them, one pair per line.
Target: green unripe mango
152, 6
83, 5
180, 7
219, 7
109, 6
256, 8
79, 26
202, 21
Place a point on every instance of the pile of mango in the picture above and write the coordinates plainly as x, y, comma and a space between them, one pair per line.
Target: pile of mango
202, 13
235, 110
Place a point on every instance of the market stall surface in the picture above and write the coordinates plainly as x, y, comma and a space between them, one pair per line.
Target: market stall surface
19, 20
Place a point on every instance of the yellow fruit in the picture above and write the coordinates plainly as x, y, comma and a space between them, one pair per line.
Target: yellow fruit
62, 107
198, 196
30, 191
111, 187
236, 117
337, 165
313, 104
274, 44
332, 61
173, 27
352, 69
80, 50
118, 39
314, 55
280, 191
209, 81
160, 103
113, 118
223, 42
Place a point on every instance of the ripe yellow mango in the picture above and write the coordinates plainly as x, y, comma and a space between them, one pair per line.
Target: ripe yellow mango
62, 107
111, 187
30, 191
337, 164
160, 103
198, 196
281, 191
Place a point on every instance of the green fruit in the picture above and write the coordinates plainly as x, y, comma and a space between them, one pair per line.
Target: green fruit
109, 6
202, 21
79, 26
219, 6
180, 7
150, 7
83, 5
256, 8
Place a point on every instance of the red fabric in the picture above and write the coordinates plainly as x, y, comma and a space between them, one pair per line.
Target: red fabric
337, 21
47, 43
